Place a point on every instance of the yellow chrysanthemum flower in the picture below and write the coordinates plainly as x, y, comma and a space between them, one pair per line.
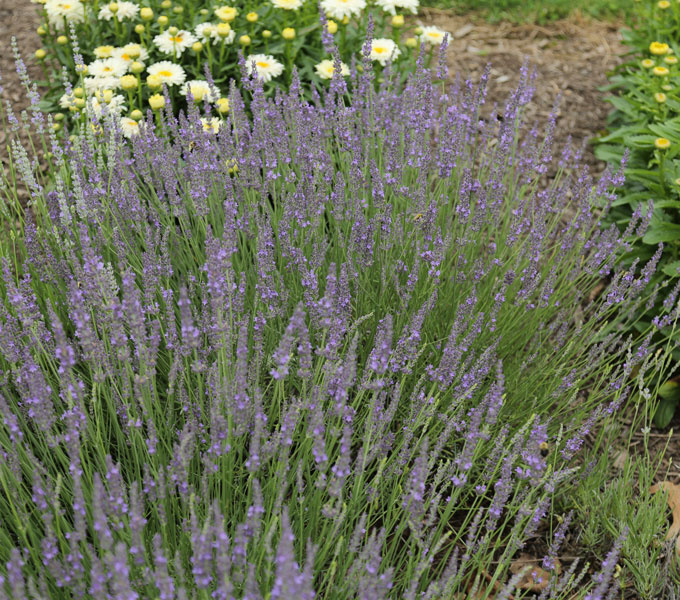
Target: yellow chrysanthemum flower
660, 71
226, 13
662, 143
658, 48
660, 97
647, 63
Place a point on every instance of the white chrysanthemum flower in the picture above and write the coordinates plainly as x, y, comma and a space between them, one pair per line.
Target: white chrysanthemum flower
66, 101
107, 67
433, 35
93, 84
383, 49
326, 68
207, 32
130, 127
265, 65
391, 6
62, 12
174, 44
168, 72
287, 4
131, 53
200, 90
115, 106
211, 125
126, 10
339, 9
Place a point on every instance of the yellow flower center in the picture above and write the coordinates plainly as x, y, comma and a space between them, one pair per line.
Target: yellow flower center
165, 73
262, 64
176, 39
379, 50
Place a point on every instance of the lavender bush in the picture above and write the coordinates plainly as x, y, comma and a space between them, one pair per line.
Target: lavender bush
319, 354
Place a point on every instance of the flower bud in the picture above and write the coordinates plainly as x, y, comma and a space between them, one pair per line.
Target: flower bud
411, 42
79, 103
62, 40
59, 117
157, 101
166, 4
139, 29
107, 96
398, 21
136, 115
173, 30
244, 40
418, 30
251, 17
128, 82
154, 82
146, 13
78, 92
113, 7
40, 54
204, 12
41, 31
223, 30
178, 10
345, 20
163, 20
266, 34
136, 67
288, 34
332, 27
56, 126
197, 47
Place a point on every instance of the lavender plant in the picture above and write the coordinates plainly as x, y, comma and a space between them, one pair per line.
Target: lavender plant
318, 354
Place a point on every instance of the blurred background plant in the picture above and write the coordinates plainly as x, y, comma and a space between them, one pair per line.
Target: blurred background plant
122, 54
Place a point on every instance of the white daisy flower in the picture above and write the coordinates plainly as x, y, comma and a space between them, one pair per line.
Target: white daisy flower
200, 90
211, 125
168, 72
131, 53
114, 106
326, 68
433, 35
383, 49
61, 12
107, 67
339, 9
265, 65
287, 4
129, 127
126, 10
93, 84
174, 44
391, 6
207, 32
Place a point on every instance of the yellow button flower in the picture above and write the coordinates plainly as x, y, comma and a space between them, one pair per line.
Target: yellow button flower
146, 14
660, 97
671, 60
222, 105
128, 82
398, 21
40, 54
660, 71
288, 34
662, 143
244, 40
223, 30
647, 63
658, 48
332, 27
226, 13
251, 17
663, 4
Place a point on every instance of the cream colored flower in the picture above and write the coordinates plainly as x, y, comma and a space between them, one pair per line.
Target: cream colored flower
339, 9
168, 72
266, 66
433, 35
107, 67
200, 90
130, 127
61, 12
287, 4
131, 53
126, 10
104, 51
326, 68
383, 49
391, 6
226, 13
174, 44
211, 125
